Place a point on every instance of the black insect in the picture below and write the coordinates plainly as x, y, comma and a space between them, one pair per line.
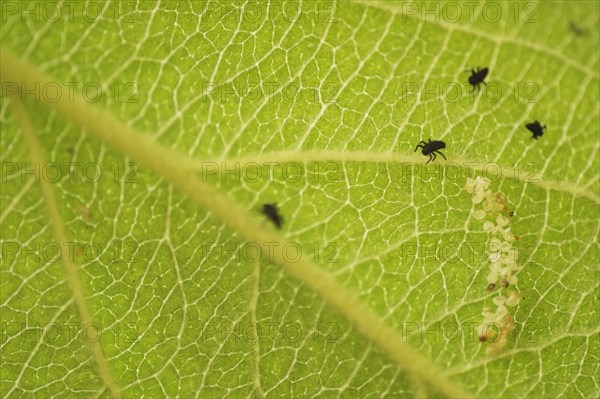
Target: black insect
477, 77
272, 213
431, 148
536, 128
510, 213
576, 29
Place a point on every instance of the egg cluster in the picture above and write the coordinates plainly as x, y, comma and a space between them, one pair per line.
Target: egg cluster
497, 323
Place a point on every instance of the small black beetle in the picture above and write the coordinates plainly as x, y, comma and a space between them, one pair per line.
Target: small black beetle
578, 31
536, 128
272, 213
477, 77
431, 148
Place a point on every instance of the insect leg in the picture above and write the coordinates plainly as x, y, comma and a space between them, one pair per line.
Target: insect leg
439, 152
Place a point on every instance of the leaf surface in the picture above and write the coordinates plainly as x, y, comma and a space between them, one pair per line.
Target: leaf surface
319, 112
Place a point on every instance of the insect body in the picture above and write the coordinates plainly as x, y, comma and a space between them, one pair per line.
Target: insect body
536, 128
431, 148
578, 31
477, 77
272, 213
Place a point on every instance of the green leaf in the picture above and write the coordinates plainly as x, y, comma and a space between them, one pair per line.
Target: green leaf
152, 192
